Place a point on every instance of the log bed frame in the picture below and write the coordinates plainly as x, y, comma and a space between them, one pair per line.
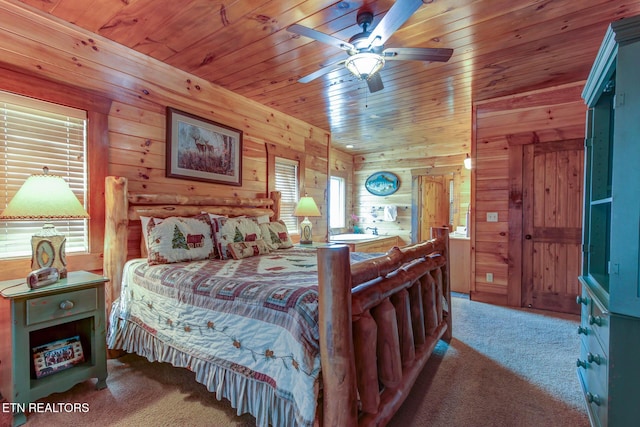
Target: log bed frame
379, 319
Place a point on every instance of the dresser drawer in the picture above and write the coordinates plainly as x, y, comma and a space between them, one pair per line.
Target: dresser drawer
61, 305
596, 319
596, 390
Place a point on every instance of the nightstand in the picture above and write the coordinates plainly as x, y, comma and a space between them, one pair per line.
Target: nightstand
72, 307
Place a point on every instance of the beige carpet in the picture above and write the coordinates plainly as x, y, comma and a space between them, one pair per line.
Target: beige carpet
504, 367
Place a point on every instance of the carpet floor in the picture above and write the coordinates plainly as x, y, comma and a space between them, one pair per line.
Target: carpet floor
504, 367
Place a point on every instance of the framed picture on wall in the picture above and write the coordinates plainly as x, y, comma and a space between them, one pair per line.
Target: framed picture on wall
202, 150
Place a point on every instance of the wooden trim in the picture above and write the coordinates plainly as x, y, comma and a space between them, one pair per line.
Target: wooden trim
514, 276
274, 151
472, 199
97, 108
527, 225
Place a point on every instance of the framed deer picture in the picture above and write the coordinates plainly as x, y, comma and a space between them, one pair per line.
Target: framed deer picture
202, 150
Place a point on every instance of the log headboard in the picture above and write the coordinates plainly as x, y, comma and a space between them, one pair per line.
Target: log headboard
123, 230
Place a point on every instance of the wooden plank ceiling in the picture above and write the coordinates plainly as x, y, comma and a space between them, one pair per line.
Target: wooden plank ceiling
500, 47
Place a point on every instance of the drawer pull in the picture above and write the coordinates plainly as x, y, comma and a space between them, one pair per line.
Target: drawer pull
581, 364
593, 398
594, 358
66, 305
582, 300
595, 320
582, 330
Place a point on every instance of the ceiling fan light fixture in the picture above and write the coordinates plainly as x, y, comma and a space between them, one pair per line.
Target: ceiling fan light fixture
364, 65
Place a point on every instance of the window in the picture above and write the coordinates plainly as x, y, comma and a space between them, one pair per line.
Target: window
286, 182
34, 134
337, 203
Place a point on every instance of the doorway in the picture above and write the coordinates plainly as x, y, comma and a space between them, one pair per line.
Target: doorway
551, 224
435, 201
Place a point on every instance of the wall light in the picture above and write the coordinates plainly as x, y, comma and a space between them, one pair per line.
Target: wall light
467, 162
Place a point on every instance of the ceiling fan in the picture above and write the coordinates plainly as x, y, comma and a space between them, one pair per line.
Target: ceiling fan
367, 54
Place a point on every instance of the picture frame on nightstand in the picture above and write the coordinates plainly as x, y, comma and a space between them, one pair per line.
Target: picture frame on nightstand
57, 356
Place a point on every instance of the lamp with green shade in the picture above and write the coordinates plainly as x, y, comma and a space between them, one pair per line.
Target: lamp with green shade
45, 197
306, 207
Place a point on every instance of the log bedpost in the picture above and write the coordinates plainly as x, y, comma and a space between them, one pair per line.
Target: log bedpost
115, 236
446, 277
336, 341
276, 196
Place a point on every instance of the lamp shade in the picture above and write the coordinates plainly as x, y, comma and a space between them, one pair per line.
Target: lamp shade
306, 207
364, 65
44, 197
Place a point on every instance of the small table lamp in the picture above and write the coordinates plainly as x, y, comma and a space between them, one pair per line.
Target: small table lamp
46, 197
306, 207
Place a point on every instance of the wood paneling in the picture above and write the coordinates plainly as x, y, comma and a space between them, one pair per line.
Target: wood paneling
139, 89
504, 129
500, 47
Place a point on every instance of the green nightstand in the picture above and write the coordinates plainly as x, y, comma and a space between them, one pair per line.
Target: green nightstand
72, 307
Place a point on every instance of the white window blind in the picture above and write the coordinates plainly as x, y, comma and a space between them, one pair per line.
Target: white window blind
337, 202
35, 134
287, 185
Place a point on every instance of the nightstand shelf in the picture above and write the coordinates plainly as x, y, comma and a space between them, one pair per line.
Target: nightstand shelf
72, 307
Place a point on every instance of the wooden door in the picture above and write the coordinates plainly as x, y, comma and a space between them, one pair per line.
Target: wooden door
434, 204
552, 224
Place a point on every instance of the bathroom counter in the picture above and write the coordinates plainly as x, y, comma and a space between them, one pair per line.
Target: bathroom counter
367, 243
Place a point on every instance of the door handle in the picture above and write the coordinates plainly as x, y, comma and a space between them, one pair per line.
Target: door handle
528, 236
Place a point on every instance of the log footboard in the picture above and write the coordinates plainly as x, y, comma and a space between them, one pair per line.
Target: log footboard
380, 321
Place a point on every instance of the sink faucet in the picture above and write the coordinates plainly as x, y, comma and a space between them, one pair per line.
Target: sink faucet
374, 230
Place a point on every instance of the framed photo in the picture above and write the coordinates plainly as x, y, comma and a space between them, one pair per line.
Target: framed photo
202, 150
382, 183
57, 356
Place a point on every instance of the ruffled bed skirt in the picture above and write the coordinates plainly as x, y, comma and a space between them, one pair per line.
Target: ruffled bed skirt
246, 395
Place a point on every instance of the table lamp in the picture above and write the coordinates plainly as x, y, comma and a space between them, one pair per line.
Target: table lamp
306, 207
45, 197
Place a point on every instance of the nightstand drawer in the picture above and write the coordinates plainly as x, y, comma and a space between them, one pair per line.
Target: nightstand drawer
61, 305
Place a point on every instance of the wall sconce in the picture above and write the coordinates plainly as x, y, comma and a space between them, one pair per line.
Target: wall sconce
306, 207
467, 162
45, 197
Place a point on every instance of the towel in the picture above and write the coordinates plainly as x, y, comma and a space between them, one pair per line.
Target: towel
390, 213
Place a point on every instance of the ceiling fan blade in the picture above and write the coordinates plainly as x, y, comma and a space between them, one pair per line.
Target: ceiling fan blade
321, 37
417, 54
375, 83
322, 71
394, 18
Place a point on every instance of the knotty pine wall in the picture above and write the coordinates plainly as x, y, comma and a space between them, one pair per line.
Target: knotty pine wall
367, 206
140, 89
544, 115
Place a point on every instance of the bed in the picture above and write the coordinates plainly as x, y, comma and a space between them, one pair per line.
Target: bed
293, 335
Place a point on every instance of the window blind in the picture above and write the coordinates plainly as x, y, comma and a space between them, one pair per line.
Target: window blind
35, 134
287, 185
337, 202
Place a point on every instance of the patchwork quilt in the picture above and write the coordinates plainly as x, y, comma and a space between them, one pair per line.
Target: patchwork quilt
254, 321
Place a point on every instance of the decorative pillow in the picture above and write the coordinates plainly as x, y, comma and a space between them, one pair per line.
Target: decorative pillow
230, 230
144, 220
275, 235
177, 239
239, 250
